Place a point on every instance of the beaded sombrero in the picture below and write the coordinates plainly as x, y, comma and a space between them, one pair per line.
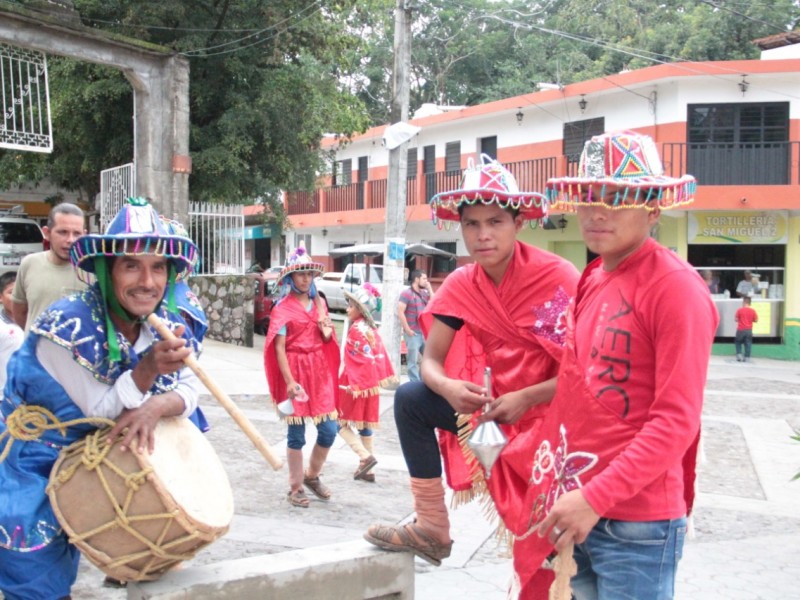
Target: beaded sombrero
488, 183
136, 230
629, 163
299, 261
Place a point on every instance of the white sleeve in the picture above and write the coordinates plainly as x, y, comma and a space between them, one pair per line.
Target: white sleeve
97, 399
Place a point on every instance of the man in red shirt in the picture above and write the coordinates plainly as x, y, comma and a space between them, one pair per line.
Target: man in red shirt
614, 470
745, 317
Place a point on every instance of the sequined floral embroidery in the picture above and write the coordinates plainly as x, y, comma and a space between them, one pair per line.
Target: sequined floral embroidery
551, 317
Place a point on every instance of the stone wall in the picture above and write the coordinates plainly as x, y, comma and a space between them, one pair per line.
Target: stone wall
228, 303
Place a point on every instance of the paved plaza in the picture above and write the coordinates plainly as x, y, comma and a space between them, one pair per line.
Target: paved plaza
746, 539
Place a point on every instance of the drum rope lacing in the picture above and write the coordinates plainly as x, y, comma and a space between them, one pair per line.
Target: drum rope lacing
28, 423
94, 454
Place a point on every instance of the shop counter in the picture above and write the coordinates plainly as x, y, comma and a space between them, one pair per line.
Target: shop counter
770, 313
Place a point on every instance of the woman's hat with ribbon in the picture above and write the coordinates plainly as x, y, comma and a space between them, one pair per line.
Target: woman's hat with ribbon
628, 162
137, 229
300, 261
488, 183
367, 299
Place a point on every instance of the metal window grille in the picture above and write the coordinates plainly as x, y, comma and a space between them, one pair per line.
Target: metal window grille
25, 100
116, 186
218, 231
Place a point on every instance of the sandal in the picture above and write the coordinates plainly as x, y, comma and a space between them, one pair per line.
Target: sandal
368, 477
319, 489
112, 582
365, 466
408, 538
298, 498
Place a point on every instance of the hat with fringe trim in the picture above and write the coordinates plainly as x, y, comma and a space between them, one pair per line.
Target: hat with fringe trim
300, 261
136, 230
367, 299
628, 162
488, 183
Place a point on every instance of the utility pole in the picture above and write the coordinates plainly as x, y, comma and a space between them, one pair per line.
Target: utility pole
395, 230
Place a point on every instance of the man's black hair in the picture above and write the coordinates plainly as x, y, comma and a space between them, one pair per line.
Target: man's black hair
415, 274
6, 278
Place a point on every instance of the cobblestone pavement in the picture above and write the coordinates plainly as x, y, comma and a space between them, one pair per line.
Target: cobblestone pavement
747, 526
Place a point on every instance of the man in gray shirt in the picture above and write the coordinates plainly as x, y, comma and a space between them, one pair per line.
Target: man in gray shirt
47, 276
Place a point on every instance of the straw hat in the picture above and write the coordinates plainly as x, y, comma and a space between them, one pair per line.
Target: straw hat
367, 299
300, 261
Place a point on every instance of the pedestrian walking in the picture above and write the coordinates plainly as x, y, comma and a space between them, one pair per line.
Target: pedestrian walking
301, 359
365, 369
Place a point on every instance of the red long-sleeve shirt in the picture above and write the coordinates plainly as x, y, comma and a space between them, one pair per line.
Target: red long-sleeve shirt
644, 336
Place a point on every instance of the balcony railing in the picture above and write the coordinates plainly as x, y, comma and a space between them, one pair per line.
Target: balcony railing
774, 163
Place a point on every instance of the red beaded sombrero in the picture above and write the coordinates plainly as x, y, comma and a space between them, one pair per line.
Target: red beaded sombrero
629, 163
488, 183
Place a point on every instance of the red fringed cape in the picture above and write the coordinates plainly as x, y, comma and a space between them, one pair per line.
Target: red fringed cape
517, 329
314, 363
367, 367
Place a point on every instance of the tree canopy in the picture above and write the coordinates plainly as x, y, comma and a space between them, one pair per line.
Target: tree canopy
270, 77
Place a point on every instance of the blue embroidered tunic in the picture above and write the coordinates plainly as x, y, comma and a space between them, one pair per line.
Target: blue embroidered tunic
76, 323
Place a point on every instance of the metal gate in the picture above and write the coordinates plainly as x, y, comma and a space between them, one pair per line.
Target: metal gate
25, 100
116, 186
218, 231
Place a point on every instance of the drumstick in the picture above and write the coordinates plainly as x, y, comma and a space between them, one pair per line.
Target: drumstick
234, 411
564, 567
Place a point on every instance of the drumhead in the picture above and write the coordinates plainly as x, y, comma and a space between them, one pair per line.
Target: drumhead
188, 467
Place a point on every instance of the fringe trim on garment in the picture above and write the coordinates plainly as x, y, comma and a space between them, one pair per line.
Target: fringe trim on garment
390, 382
478, 490
293, 420
364, 393
359, 424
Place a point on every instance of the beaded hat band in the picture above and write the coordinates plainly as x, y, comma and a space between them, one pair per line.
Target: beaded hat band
298, 262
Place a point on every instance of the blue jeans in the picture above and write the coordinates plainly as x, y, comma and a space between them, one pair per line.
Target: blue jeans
415, 346
326, 434
629, 560
744, 337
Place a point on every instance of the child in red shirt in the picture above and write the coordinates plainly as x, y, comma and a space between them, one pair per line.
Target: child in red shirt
745, 317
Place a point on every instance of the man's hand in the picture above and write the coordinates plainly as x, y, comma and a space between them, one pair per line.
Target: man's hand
571, 518
507, 409
141, 422
464, 396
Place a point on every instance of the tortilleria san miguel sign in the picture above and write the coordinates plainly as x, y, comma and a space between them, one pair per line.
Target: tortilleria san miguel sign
768, 227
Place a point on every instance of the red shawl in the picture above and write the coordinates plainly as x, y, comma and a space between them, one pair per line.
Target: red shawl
517, 329
367, 368
314, 363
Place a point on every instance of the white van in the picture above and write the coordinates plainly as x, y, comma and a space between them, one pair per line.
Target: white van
19, 237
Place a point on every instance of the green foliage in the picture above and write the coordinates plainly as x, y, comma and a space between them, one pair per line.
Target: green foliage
796, 438
265, 86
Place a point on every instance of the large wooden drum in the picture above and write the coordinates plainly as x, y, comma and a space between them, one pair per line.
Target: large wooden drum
134, 516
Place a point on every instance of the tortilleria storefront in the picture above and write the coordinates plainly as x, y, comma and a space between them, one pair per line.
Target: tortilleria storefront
738, 254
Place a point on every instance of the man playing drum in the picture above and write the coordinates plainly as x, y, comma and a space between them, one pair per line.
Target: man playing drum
89, 358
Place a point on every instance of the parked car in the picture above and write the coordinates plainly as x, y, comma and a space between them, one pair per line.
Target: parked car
266, 289
331, 286
19, 236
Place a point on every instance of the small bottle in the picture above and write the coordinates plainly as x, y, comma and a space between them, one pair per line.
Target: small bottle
300, 394
727, 294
